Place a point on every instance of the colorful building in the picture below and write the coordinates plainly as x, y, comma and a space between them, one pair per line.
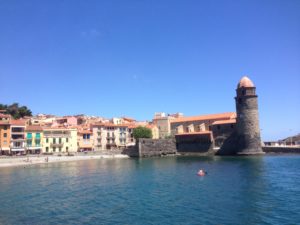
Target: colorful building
59, 140
163, 122
5, 134
110, 136
85, 140
193, 124
34, 137
17, 137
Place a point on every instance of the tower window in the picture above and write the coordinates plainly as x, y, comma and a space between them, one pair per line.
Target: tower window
243, 92
240, 101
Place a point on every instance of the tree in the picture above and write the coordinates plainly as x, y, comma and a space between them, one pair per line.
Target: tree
16, 111
142, 132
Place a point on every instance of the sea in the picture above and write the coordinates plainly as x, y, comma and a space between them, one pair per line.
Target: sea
167, 190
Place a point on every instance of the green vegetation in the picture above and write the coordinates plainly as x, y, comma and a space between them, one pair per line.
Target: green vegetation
142, 132
16, 111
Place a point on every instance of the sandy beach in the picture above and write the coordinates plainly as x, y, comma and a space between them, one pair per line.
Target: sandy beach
31, 160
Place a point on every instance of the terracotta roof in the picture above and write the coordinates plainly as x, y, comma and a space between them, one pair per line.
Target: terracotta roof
34, 128
219, 116
85, 132
58, 128
5, 115
151, 126
132, 126
195, 133
128, 119
224, 122
4, 122
245, 82
109, 125
18, 122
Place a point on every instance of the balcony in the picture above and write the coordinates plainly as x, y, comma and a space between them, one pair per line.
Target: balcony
17, 139
110, 138
56, 145
57, 135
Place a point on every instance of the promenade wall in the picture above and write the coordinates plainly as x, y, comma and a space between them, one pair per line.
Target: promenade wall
272, 149
161, 147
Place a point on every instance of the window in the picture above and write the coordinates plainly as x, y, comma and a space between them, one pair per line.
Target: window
59, 149
47, 149
243, 92
67, 149
67, 139
5, 135
218, 127
54, 149
59, 141
29, 135
47, 140
231, 126
29, 143
54, 140
37, 142
5, 127
37, 135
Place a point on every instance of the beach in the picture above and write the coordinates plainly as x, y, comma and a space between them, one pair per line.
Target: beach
31, 160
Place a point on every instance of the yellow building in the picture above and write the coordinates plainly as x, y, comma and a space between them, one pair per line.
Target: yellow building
154, 130
34, 137
59, 140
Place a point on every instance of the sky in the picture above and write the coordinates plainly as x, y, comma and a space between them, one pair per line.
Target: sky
133, 58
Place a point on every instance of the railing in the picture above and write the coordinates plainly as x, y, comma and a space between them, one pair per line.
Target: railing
17, 139
58, 135
18, 132
108, 138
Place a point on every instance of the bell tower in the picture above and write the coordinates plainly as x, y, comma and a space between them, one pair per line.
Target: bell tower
248, 131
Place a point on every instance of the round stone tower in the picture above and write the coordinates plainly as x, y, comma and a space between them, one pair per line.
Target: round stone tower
248, 131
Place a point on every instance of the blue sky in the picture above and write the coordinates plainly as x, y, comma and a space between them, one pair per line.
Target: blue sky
134, 58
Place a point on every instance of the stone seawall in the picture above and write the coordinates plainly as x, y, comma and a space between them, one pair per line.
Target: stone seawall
269, 149
156, 147
152, 147
160, 147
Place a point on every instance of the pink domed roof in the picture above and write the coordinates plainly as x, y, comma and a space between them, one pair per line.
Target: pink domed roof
245, 82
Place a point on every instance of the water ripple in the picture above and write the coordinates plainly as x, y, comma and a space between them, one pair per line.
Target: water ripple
249, 190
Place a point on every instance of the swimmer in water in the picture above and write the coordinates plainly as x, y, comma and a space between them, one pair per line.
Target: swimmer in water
201, 173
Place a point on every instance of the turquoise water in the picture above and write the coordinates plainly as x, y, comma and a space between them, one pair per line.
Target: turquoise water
241, 190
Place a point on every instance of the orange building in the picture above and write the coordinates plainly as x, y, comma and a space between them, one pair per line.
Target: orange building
4, 137
4, 133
